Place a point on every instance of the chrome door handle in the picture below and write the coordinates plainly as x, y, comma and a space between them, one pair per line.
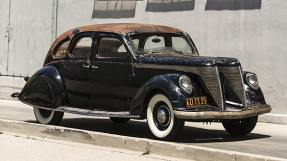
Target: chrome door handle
94, 66
86, 66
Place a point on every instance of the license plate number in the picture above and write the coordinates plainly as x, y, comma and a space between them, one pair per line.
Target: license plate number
196, 102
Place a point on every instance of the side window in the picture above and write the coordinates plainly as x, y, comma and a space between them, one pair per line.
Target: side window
154, 42
62, 49
111, 47
82, 47
180, 43
136, 43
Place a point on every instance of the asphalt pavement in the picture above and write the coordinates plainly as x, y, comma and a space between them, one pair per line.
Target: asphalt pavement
266, 139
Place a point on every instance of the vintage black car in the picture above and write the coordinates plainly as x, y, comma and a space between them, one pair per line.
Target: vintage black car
142, 71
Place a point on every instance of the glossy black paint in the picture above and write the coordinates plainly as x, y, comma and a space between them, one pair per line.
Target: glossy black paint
76, 74
110, 79
43, 89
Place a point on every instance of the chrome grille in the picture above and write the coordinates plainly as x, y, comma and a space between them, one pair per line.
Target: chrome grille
210, 77
234, 75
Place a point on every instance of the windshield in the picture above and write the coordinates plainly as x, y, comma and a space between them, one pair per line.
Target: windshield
160, 43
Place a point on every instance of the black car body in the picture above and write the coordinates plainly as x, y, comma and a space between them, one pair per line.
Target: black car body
139, 71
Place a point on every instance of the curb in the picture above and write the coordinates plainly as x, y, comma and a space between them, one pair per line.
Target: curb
129, 143
273, 118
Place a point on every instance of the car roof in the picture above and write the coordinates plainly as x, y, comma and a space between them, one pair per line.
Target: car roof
124, 28
118, 28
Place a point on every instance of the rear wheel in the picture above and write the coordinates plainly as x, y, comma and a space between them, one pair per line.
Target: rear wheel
47, 116
161, 120
240, 127
119, 120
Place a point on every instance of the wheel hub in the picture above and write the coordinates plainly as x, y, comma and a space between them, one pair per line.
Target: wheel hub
163, 115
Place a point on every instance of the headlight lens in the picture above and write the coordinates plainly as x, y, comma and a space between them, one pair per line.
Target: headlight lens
185, 84
251, 79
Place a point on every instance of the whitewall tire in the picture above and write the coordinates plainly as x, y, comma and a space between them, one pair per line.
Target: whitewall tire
161, 120
47, 116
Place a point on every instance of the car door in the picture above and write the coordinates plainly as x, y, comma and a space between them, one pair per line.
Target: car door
110, 73
77, 71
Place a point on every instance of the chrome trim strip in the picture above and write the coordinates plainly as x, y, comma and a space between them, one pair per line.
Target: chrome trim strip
233, 103
45, 108
219, 115
242, 79
96, 113
220, 88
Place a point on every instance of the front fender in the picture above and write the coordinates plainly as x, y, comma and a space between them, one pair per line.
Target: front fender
167, 84
43, 89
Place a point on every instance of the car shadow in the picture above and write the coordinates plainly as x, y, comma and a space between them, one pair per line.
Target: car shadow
140, 129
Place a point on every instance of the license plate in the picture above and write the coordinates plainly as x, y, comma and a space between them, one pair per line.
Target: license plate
196, 102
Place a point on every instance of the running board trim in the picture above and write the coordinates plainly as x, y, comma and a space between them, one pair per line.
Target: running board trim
87, 112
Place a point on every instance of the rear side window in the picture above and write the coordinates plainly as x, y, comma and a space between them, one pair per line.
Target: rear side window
82, 47
62, 49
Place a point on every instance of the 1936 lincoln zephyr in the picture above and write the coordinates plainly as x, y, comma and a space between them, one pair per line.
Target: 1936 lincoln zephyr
142, 71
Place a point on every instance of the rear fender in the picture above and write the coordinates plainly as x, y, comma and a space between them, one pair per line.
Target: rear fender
43, 89
168, 84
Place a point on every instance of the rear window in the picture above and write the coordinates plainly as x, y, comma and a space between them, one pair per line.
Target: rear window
62, 49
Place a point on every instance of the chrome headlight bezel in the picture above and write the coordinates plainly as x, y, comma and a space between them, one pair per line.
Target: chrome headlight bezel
251, 80
185, 84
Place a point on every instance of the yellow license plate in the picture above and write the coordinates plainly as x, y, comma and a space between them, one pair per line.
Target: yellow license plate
196, 102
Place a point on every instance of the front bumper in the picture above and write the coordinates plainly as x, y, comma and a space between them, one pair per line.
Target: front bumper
220, 115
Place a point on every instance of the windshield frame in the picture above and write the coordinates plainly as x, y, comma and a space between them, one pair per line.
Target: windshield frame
183, 35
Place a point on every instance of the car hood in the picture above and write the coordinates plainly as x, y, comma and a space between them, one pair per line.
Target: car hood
184, 59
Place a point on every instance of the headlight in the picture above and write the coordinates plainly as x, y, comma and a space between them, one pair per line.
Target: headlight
251, 79
185, 84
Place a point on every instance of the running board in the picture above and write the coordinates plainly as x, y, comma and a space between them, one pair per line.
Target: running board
122, 114
88, 112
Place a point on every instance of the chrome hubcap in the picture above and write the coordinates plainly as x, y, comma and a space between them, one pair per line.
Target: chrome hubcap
163, 115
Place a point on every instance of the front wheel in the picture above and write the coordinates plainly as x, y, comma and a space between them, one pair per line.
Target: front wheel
47, 116
240, 127
161, 120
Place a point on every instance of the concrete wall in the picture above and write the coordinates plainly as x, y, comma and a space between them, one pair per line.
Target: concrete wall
253, 31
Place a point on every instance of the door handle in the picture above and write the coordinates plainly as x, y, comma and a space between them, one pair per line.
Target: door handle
95, 67
86, 66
